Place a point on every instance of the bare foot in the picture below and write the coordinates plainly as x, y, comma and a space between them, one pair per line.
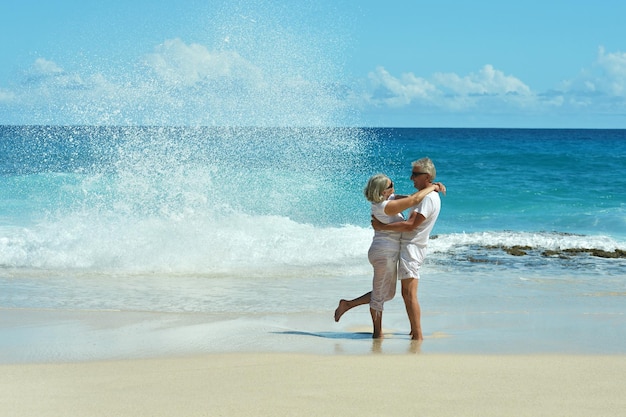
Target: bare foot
419, 336
341, 308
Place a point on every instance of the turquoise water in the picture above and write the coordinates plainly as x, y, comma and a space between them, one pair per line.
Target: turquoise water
272, 221
100, 187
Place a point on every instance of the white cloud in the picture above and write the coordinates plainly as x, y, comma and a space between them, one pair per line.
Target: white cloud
614, 67
182, 83
403, 90
597, 93
178, 63
49, 76
6, 96
178, 84
446, 90
44, 67
606, 76
43, 71
487, 81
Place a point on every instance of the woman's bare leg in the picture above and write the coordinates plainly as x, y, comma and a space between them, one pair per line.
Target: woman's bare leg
345, 305
377, 321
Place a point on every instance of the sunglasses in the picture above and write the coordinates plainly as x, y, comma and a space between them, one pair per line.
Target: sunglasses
416, 174
390, 186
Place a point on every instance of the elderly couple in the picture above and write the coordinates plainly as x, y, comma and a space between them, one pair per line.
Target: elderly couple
399, 246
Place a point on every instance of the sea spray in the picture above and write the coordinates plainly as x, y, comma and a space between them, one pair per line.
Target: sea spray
210, 154
197, 200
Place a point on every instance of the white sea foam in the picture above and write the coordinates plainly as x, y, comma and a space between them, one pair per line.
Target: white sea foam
236, 245
536, 240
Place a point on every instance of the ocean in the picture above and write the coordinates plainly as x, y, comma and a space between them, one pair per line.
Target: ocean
134, 241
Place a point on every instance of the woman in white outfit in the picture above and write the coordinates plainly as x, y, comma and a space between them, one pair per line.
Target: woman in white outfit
384, 251
414, 242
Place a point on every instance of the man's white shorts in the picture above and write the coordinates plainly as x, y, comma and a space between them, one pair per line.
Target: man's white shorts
411, 259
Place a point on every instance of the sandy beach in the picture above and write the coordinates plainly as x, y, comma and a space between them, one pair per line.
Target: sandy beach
279, 384
119, 363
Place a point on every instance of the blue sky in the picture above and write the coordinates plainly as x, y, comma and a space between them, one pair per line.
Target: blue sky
544, 64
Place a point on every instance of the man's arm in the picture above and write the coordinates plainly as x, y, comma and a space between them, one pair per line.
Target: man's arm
399, 205
406, 226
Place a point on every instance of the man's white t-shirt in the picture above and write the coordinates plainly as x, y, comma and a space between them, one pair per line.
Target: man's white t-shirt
429, 208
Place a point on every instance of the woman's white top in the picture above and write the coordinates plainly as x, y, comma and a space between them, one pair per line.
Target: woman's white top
378, 211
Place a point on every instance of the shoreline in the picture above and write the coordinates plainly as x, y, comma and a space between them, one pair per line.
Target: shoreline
484, 362
270, 384
71, 336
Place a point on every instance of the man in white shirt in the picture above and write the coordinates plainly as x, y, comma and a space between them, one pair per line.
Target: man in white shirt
415, 234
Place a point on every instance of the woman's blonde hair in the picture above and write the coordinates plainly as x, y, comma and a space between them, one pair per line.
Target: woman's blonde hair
375, 186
